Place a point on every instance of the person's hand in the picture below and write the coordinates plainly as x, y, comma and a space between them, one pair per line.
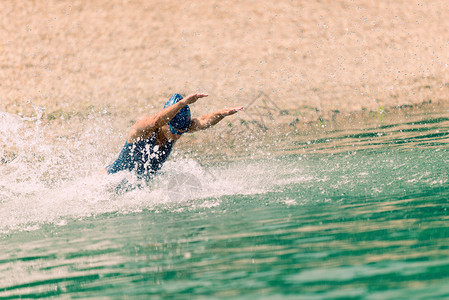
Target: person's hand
231, 111
193, 97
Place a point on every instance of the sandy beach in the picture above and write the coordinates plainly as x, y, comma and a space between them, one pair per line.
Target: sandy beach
297, 61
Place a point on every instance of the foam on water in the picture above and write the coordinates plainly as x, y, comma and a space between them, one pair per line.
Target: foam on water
51, 175
360, 206
30, 202
51, 180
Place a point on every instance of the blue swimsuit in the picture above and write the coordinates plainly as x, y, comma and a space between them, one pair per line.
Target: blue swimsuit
144, 157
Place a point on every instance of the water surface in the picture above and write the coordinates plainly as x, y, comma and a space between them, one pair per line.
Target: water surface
345, 213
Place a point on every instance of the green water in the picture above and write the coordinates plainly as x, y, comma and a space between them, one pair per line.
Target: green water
351, 214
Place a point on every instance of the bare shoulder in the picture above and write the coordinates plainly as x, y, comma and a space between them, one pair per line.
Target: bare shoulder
142, 129
195, 125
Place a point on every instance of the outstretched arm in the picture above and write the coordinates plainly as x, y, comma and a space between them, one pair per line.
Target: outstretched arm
209, 120
147, 125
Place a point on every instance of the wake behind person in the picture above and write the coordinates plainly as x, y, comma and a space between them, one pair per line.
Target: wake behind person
151, 138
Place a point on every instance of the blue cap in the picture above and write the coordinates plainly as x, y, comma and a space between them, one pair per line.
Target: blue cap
182, 119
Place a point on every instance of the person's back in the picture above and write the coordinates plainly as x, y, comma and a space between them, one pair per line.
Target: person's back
144, 157
152, 138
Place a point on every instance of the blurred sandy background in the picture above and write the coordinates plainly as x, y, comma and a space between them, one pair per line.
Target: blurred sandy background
304, 59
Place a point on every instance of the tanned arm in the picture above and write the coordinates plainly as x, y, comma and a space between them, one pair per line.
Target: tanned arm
147, 125
212, 119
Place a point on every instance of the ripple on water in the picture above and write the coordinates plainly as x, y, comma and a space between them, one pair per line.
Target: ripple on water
368, 221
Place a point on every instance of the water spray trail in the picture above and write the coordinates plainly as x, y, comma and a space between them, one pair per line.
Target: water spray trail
49, 177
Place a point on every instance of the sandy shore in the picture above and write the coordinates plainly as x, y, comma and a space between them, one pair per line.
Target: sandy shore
296, 60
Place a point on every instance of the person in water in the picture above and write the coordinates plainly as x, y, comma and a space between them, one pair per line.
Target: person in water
152, 138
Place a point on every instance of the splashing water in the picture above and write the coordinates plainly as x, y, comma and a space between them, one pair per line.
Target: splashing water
50, 182
357, 213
